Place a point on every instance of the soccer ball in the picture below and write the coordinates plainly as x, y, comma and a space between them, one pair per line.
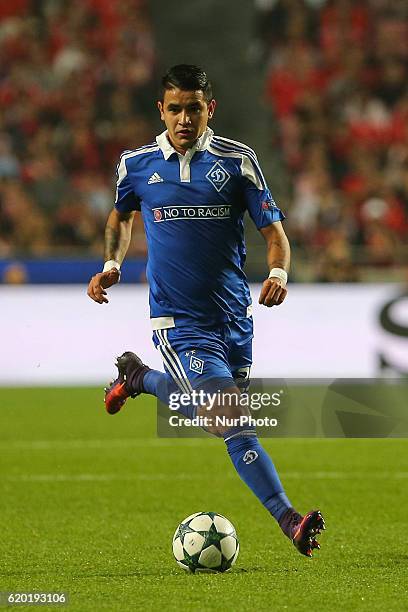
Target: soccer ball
205, 542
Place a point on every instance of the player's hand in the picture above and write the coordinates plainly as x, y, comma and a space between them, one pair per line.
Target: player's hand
100, 282
273, 292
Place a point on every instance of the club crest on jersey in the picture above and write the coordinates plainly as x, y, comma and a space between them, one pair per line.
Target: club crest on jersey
218, 176
196, 364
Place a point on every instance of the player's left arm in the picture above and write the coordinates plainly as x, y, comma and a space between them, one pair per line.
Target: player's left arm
274, 290
267, 218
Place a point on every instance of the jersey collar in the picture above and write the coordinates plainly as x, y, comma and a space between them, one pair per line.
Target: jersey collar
167, 149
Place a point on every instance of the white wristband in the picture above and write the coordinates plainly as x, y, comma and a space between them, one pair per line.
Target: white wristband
279, 273
109, 265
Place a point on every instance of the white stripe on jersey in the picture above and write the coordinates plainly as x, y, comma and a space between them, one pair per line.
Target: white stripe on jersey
146, 146
121, 168
122, 171
247, 168
239, 147
235, 143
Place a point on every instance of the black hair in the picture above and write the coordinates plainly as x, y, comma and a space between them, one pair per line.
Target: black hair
187, 78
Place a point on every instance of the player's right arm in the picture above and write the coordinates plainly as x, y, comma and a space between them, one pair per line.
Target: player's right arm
118, 233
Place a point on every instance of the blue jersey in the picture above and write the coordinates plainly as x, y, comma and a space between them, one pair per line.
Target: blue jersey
193, 207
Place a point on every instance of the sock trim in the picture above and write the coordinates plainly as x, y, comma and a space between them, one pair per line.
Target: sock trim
244, 433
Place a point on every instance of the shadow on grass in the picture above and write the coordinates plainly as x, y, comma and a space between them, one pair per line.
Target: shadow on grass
145, 573
180, 573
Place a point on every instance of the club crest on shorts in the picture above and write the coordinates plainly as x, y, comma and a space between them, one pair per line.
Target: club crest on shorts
218, 176
250, 456
196, 364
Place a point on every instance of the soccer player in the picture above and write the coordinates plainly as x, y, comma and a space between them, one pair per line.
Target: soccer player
193, 189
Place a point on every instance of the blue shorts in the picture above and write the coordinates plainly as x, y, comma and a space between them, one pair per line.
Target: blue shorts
209, 358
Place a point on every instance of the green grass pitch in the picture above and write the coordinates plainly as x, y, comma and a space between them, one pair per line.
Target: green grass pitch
89, 503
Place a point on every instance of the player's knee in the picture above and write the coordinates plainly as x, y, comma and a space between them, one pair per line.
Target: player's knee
230, 417
226, 414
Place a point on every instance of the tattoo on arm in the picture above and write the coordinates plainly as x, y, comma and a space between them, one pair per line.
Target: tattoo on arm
278, 253
111, 242
118, 233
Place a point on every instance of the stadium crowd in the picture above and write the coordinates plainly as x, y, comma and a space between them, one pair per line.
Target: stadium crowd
76, 84
77, 81
337, 83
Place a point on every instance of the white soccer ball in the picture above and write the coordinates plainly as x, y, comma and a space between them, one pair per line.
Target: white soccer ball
205, 542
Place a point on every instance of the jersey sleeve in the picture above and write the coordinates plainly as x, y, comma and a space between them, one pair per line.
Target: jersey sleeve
258, 199
126, 199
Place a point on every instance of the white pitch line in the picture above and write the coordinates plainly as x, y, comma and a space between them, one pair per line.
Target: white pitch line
86, 443
193, 476
96, 444
95, 477
345, 475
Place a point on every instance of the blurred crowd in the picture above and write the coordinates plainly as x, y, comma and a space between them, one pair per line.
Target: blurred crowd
77, 80
337, 83
76, 84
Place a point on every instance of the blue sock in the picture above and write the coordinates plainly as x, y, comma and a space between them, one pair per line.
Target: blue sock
256, 469
162, 385
156, 383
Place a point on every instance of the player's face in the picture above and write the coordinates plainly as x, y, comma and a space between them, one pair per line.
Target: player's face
186, 114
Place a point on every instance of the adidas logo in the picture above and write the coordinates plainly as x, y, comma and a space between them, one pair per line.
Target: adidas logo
155, 178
